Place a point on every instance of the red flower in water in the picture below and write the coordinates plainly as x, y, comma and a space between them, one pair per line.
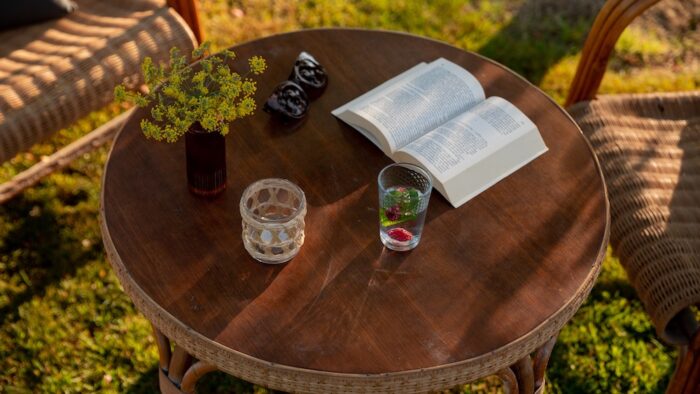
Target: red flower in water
393, 212
400, 234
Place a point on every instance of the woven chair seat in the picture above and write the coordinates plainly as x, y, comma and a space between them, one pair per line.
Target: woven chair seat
53, 73
649, 149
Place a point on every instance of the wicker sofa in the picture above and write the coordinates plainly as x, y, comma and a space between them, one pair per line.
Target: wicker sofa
648, 146
54, 73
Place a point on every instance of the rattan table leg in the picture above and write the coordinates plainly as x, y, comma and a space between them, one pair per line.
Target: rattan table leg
527, 375
163, 349
178, 364
509, 380
166, 385
178, 372
196, 371
540, 361
524, 372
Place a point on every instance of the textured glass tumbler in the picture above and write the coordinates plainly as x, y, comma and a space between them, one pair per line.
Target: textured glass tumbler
272, 212
404, 193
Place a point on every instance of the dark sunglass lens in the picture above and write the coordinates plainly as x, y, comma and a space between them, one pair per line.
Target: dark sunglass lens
309, 74
287, 101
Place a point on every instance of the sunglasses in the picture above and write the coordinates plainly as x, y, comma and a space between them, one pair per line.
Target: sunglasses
290, 99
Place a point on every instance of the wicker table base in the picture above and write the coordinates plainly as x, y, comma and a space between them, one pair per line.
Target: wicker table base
179, 371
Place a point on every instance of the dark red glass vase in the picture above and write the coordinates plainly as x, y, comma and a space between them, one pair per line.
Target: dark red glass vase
206, 161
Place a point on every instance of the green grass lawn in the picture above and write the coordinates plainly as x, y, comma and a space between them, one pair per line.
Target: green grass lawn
66, 325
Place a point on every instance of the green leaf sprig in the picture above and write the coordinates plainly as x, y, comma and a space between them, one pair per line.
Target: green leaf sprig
399, 205
214, 95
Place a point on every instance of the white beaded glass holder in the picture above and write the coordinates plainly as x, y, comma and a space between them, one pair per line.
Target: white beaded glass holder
272, 212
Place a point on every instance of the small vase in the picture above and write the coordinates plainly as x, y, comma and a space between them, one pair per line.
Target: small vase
206, 161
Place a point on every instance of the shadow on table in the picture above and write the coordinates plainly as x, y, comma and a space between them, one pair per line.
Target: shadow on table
533, 244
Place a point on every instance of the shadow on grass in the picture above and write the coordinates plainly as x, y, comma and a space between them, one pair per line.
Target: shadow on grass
540, 34
619, 287
147, 383
213, 383
40, 247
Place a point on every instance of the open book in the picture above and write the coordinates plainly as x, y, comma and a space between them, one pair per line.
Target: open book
436, 115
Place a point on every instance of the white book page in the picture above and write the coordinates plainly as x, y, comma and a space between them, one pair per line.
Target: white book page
409, 109
365, 127
468, 138
361, 101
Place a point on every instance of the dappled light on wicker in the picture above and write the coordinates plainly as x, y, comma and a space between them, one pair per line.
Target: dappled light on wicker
649, 148
53, 73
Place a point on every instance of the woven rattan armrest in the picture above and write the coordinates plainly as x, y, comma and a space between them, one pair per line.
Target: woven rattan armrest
54, 73
649, 148
645, 143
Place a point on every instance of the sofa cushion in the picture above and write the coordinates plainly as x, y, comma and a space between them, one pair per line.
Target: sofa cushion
26, 12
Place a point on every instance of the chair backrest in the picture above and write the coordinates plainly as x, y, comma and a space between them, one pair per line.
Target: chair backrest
189, 11
611, 21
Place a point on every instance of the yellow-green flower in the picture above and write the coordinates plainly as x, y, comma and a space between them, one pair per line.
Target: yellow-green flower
213, 95
257, 65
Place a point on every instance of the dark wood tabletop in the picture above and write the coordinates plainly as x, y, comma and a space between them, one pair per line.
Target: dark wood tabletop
489, 282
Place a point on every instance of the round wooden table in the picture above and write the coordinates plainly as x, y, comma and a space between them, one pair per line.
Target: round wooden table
490, 283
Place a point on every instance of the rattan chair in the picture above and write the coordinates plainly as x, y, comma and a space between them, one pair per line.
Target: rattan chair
649, 149
56, 72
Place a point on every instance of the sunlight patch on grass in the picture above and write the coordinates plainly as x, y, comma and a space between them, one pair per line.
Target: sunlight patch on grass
649, 80
557, 79
465, 25
635, 41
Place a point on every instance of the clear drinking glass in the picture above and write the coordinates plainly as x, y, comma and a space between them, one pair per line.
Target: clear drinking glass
404, 193
272, 212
